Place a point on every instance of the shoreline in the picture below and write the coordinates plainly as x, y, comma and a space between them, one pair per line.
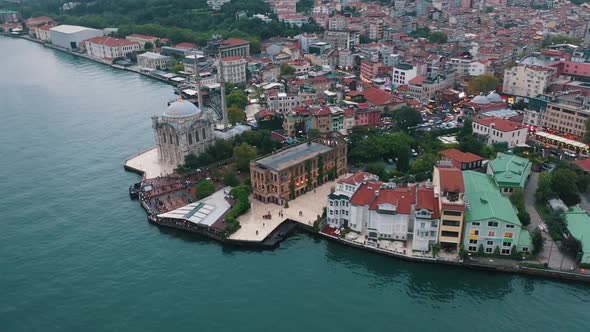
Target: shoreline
88, 57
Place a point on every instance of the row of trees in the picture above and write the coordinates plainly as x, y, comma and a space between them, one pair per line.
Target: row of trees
256, 143
517, 199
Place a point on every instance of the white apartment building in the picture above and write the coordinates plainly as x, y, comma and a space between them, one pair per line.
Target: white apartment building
337, 22
234, 69
403, 73
109, 47
498, 130
154, 61
282, 102
338, 209
426, 219
527, 81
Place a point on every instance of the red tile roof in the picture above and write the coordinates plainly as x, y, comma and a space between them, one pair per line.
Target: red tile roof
186, 45
451, 179
235, 42
402, 198
418, 80
584, 164
136, 35
425, 200
111, 42
500, 124
365, 193
462, 157
378, 97
232, 58
356, 178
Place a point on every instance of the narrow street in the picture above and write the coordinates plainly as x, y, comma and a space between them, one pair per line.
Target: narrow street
550, 253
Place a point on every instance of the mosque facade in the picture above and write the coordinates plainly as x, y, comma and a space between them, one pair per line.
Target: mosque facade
182, 129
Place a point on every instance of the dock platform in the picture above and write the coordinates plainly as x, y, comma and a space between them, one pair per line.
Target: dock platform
146, 163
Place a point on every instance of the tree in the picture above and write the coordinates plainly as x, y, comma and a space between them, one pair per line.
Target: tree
489, 9
420, 33
438, 37
480, 250
561, 39
483, 83
204, 188
423, 165
587, 134
287, 70
403, 157
564, 184
537, 239
230, 179
377, 168
244, 153
235, 115
177, 68
237, 98
544, 191
406, 117
313, 133
292, 189
524, 217
148, 46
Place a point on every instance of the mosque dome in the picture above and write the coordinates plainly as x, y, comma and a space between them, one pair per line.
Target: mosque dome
494, 98
480, 100
181, 109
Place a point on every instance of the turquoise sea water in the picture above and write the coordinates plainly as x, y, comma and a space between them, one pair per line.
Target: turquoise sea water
77, 255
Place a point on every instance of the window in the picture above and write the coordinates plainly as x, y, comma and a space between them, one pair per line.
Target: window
450, 234
452, 213
489, 250
508, 235
491, 233
454, 223
472, 248
422, 225
432, 233
490, 243
472, 241
505, 251
525, 249
506, 244
475, 223
492, 224
474, 232
204, 133
509, 226
331, 203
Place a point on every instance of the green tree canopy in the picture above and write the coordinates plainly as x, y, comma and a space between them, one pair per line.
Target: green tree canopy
483, 83
148, 46
177, 68
403, 157
237, 98
235, 115
287, 69
230, 179
204, 188
406, 117
244, 153
438, 37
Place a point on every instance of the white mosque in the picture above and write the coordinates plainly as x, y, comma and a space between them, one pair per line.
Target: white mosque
182, 129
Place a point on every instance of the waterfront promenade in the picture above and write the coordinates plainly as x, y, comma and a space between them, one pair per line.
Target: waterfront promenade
303, 210
146, 162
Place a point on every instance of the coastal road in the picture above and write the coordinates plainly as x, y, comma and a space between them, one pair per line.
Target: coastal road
550, 253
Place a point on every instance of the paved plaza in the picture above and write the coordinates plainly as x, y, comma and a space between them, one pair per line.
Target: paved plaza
310, 205
147, 162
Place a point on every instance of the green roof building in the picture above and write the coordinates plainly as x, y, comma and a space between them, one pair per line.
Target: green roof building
509, 171
578, 224
491, 220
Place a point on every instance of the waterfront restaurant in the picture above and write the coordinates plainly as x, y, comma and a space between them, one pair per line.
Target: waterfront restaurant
561, 142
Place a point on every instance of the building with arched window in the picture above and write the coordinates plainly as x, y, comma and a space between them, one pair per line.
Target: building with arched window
181, 130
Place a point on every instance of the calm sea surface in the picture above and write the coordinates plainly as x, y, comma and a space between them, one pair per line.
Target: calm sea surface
77, 255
